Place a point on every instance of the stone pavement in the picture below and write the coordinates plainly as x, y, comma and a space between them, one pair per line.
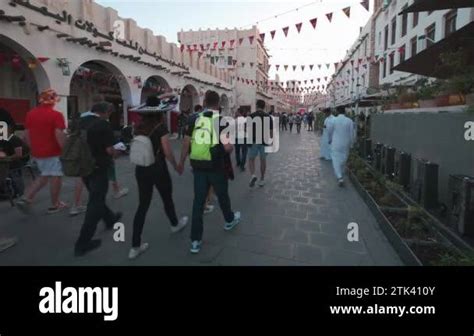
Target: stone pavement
300, 218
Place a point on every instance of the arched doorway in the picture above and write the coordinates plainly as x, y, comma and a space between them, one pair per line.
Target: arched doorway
189, 98
154, 85
22, 76
225, 105
95, 80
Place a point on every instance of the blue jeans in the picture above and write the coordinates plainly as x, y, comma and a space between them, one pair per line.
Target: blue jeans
241, 155
203, 180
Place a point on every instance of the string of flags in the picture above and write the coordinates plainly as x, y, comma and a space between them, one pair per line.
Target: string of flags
16, 62
231, 44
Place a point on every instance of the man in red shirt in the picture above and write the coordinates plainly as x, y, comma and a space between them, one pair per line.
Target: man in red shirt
45, 135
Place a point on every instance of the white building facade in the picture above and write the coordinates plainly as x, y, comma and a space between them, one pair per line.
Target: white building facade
81, 49
242, 53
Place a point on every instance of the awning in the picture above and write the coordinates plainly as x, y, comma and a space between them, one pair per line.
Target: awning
432, 5
427, 62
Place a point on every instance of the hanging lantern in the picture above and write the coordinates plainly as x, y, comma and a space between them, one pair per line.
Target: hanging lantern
32, 64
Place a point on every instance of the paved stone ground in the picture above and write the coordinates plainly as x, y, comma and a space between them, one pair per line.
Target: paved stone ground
300, 218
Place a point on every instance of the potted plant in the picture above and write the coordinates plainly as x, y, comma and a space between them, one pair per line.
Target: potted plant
426, 93
461, 80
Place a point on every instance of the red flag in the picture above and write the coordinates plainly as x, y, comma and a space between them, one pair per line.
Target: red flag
195, 47
241, 40
298, 27
285, 31
215, 45
272, 33
365, 4
329, 16
311, 67
182, 48
42, 59
262, 37
314, 22
347, 11
223, 44
251, 39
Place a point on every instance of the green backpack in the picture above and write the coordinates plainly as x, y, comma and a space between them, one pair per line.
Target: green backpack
203, 138
77, 159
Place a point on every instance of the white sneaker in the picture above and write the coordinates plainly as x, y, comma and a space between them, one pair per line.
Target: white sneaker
253, 181
75, 211
181, 225
196, 247
122, 193
208, 209
136, 252
234, 223
261, 184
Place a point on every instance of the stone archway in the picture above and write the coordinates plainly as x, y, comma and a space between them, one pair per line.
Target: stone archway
154, 85
22, 77
225, 105
189, 98
95, 80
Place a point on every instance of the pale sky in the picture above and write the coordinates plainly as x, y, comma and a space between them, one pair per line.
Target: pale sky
327, 44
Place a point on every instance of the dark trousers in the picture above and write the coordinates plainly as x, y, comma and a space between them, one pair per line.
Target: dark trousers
181, 132
97, 185
241, 155
202, 181
291, 128
18, 183
298, 128
147, 179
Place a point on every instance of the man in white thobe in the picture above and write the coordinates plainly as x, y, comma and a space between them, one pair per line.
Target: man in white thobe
325, 147
341, 138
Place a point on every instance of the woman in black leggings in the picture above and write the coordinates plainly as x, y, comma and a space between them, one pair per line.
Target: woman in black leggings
156, 176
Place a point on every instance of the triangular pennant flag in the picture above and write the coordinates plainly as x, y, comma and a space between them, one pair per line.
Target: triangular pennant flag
347, 11
286, 67
272, 33
241, 40
319, 80
223, 44
232, 43
305, 81
352, 62
360, 61
311, 67
202, 47
302, 68
294, 67
215, 45
195, 46
325, 79
285, 31
335, 65
262, 37
243, 64
251, 39
208, 46
199, 54
277, 67
251, 64
365, 4
182, 48
328, 66
314, 22
329, 16
234, 62
298, 27
312, 81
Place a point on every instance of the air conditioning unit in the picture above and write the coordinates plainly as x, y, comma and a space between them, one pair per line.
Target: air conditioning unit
461, 207
425, 184
403, 169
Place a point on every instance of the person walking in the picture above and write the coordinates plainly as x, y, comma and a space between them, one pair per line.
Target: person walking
341, 138
45, 136
325, 146
156, 176
291, 121
310, 122
101, 140
207, 149
241, 147
298, 122
258, 147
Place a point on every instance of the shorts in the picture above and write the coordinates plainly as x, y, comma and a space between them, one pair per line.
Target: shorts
257, 150
50, 167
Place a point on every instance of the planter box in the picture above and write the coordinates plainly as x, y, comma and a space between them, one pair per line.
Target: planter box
427, 103
404, 252
442, 101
